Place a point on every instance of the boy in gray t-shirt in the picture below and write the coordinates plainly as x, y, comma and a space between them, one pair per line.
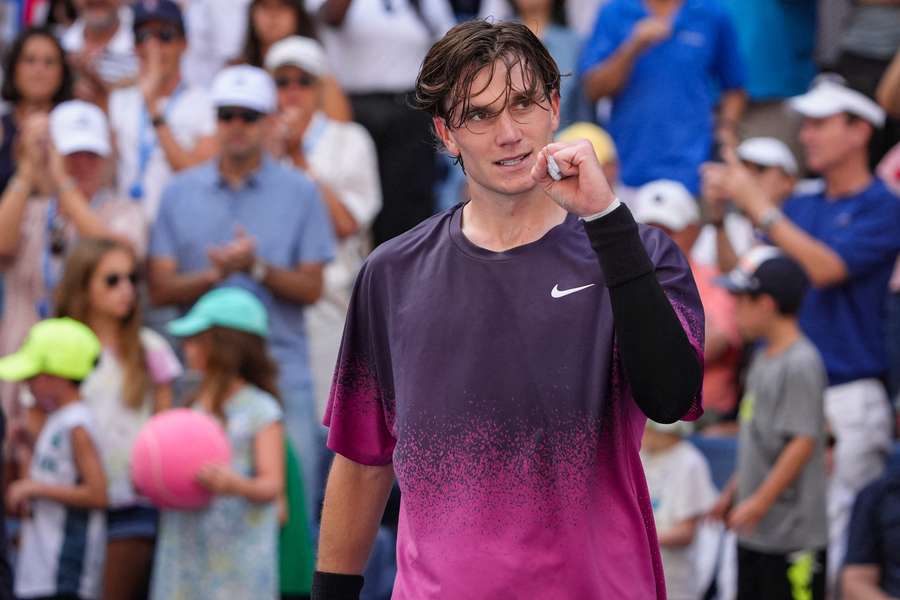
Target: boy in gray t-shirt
776, 500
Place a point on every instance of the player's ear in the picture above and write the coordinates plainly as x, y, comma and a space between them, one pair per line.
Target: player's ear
445, 136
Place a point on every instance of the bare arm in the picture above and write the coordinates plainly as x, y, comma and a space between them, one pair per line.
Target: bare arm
680, 535
12, 211
180, 158
168, 286
860, 582
823, 266
91, 491
162, 397
731, 110
267, 483
335, 102
302, 285
354, 502
787, 468
333, 12
888, 92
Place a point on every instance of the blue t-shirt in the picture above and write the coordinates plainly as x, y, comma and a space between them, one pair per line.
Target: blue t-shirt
662, 119
281, 209
846, 321
875, 531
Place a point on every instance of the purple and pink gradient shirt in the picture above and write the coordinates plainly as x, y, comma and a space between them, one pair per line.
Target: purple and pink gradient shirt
504, 410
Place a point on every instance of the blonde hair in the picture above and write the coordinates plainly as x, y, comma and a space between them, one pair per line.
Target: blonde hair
73, 300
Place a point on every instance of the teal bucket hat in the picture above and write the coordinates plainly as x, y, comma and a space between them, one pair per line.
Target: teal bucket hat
230, 307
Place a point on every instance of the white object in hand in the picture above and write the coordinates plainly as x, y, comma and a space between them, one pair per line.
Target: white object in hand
553, 168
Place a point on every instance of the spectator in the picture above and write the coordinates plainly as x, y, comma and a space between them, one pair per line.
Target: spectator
65, 484
61, 14
101, 46
729, 234
872, 565
376, 48
681, 492
669, 206
215, 36
161, 125
888, 91
776, 499
340, 158
246, 220
36, 78
777, 40
131, 381
580, 14
270, 21
228, 549
845, 238
658, 61
59, 192
603, 145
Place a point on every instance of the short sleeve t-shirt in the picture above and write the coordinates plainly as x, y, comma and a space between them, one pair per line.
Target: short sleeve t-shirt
662, 118
875, 531
846, 321
681, 488
118, 424
784, 398
503, 409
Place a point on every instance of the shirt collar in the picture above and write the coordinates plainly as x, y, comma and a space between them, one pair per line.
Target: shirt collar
252, 181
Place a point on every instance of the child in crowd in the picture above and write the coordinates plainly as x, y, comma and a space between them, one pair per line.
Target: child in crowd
776, 500
229, 549
682, 492
131, 382
63, 528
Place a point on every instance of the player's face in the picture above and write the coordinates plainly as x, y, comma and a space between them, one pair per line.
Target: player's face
502, 132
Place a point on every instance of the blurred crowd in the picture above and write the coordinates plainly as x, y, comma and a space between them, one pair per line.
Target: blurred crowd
160, 152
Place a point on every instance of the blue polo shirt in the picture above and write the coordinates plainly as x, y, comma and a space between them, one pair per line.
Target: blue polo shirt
846, 322
777, 39
279, 207
662, 119
875, 531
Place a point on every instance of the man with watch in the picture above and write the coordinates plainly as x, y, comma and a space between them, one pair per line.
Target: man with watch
246, 220
162, 125
846, 239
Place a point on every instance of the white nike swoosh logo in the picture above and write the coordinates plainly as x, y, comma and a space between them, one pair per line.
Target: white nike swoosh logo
558, 293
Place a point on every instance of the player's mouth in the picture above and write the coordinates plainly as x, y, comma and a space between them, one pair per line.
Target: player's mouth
513, 161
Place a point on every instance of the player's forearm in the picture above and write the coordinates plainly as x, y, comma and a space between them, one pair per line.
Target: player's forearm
787, 468
77, 496
661, 365
611, 75
355, 498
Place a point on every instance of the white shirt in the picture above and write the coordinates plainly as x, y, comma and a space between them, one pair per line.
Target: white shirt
55, 531
117, 62
681, 488
190, 117
740, 233
215, 35
381, 43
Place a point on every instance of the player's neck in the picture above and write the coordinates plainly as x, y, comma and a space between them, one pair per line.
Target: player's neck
500, 224
783, 332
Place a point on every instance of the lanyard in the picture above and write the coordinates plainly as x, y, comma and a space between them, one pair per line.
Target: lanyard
54, 246
147, 143
314, 134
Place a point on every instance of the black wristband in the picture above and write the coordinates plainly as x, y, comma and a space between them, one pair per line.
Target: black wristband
618, 245
158, 121
336, 586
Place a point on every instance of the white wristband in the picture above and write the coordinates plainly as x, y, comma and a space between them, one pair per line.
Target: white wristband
612, 206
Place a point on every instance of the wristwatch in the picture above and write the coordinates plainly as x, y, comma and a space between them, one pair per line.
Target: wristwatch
259, 270
769, 218
158, 121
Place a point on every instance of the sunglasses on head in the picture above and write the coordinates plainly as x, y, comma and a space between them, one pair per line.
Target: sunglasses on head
165, 35
303, 81
246, 115
114, 279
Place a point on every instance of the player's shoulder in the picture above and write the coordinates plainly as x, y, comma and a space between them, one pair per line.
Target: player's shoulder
416, 244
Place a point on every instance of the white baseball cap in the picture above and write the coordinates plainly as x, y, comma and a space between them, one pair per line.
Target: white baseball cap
667, 203
298, 51
768, 152
78, 126
830, 98
244, 86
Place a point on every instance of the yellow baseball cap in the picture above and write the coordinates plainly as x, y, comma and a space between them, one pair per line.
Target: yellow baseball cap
604, 147
62, 347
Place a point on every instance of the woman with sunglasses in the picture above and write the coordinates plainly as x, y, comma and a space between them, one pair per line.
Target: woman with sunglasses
132, 381
60, 192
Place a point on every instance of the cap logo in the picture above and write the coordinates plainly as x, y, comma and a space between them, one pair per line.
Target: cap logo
150, 5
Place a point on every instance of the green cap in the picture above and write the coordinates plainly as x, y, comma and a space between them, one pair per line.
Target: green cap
231, 307
61, 347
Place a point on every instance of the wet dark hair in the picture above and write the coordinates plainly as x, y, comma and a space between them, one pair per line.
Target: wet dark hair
9, 92
444, 86
252, 52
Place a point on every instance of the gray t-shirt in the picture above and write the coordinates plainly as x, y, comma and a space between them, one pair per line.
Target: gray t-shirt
783, 400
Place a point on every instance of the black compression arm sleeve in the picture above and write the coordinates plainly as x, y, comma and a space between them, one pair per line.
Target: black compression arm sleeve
334, 586
660, 363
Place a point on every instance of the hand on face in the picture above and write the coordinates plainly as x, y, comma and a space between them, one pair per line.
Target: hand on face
583, 189
152, 75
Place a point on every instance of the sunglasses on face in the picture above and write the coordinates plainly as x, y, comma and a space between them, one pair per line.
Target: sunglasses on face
303, 81
246, 115
114, 279
165, 35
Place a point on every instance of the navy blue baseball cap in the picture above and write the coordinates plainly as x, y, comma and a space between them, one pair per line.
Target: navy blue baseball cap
165, 11
767, 270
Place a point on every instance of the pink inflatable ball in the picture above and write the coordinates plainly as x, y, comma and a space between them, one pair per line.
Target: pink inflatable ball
169, 452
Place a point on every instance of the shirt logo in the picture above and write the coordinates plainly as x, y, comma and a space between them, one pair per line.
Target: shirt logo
558, 293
